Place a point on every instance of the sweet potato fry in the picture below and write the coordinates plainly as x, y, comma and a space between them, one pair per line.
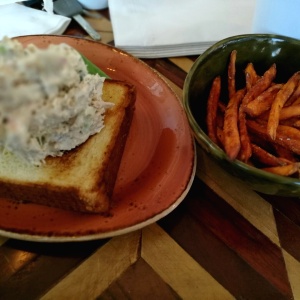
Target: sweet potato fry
258, 128
260, 123
262, 143
289, 137
230, 129
288, 112
295, 97
246, 149
279, 101
284, 153
231, 74
265, 157
251, 76
288, 122
261, 85
286, 170
212, 107
296, 124
297, 101
286, 136
262, 102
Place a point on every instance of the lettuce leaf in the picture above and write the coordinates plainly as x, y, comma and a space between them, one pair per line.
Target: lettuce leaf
93, 69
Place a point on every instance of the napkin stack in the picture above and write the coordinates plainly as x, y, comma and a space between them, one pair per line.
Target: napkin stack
17, 20
164, 28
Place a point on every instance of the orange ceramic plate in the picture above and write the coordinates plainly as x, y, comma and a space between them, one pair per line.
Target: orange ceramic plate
157, 168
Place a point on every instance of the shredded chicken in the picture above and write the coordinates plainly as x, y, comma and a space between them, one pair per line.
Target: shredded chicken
48, 101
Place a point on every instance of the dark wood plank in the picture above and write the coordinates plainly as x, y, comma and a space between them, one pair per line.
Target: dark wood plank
235, 253
139, 282
35, 267
288, 206
287, 216
289, 234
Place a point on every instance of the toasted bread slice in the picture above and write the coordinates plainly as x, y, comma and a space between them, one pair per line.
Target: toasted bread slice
83, 178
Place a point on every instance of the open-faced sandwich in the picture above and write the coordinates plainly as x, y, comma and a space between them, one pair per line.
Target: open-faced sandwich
62, 130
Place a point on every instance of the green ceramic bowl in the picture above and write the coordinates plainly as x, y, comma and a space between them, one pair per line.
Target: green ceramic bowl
262, 50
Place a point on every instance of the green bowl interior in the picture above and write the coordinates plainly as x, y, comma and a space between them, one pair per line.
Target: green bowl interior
262, 50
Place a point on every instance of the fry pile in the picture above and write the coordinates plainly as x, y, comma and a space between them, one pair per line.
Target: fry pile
258, 124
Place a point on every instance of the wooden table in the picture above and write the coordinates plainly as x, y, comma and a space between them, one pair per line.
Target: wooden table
224, 241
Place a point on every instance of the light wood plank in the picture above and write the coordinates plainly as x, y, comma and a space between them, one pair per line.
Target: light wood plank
293, 270
248, 203
177, 268
104, 27
183, 63
95, 274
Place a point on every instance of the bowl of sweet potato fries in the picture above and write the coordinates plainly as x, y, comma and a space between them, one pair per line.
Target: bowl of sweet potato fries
242, 99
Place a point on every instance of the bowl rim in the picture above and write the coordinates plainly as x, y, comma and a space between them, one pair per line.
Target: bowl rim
202, 137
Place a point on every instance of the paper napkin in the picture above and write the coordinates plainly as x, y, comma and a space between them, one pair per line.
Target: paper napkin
164, 28
17, 20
